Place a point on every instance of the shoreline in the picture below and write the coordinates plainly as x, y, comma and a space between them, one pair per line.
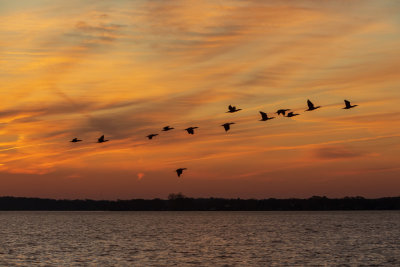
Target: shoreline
182, 203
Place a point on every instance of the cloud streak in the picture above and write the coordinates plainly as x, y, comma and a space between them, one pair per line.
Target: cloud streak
338, 152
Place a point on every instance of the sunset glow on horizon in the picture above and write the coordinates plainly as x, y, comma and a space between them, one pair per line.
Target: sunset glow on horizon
126, 69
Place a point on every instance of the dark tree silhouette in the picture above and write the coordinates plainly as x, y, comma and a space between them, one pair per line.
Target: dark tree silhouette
179, 201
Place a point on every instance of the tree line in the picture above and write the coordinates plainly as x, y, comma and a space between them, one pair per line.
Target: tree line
179, 202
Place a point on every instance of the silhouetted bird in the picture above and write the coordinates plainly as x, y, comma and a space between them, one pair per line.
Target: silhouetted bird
227, 126
233, 109
264, 116
282, 111
190, 130
348, 105
179, 171
150, 136
167, 128
311, 106
75, 140
291, 114
101, 139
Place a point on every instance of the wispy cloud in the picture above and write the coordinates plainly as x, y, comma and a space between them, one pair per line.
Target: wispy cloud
337, 152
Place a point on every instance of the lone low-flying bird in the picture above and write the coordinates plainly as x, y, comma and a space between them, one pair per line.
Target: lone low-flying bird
291, 114
75, 140
101, 139
179, 171
233, 109
282, 111
150, 136
264, 116
227, 126
167, 128
348, 105
311, 106
190, 130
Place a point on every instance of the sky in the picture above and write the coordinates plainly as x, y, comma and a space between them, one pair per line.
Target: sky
126, 69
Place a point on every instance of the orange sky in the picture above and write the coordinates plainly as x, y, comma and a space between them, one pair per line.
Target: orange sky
127, 68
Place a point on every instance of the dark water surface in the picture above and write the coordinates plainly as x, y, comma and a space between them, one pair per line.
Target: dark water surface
348, 238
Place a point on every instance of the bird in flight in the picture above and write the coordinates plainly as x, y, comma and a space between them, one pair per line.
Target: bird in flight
150, 136
311, 106
101, 139
75, 140
348, 105
291, 114
264, 116
227, 126
167, 128
233, 109
282, 111
190, 130
180, 171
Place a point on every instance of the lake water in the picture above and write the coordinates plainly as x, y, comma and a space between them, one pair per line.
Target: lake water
348, 238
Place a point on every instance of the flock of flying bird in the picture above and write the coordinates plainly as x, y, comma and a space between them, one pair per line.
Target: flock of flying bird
231, 109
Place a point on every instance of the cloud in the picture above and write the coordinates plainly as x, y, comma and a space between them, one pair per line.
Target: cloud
337, 152
96, 33
102, 28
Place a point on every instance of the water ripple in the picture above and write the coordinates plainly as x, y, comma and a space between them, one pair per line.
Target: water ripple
367, 238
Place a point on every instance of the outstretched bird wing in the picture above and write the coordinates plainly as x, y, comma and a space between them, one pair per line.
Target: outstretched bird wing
179, 171
310, 104
347, 103
282, 111
101, 139
264, 115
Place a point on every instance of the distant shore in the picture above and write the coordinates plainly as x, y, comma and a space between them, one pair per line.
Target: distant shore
182, 203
